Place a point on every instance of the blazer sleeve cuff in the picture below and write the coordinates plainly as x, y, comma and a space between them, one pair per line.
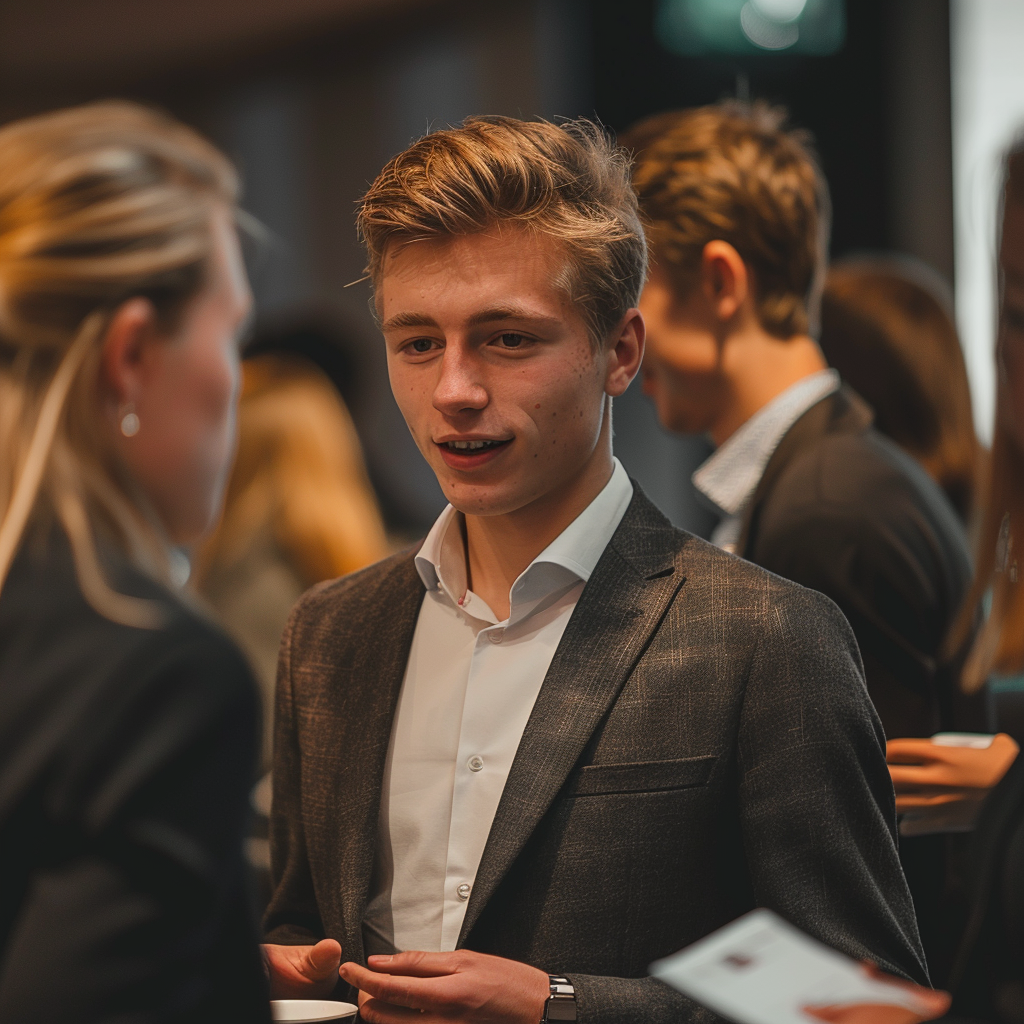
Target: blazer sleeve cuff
604, 1000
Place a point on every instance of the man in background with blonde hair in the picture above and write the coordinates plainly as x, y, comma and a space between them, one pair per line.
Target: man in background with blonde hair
737, 217
562, 739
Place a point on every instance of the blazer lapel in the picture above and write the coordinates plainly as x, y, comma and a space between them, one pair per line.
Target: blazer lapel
620, 607
842, 411
374, 670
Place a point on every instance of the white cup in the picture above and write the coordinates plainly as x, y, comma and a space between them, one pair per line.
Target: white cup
305, 1011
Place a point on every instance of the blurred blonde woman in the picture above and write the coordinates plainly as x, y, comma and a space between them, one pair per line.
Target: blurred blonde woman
299, 509
128, 724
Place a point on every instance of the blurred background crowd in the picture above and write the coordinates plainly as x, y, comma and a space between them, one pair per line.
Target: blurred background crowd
311, 97
911, 104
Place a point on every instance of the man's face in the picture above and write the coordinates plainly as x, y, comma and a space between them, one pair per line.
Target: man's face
492, 366
682, 368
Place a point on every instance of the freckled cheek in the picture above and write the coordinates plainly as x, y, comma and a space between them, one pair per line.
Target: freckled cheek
414, 398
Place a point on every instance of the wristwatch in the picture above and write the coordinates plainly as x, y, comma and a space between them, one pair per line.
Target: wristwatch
561, 1004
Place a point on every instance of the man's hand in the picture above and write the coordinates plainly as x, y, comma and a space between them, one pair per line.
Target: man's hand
930, 1004
925, 774
441, 988
302, 972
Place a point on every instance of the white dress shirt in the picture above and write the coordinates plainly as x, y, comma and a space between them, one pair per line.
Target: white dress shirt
729, 477
469, 687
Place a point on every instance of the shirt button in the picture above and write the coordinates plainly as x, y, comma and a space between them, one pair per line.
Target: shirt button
464, 890
495, 636
475, 763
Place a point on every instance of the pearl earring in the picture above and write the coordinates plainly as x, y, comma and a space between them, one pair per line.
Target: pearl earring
129, 421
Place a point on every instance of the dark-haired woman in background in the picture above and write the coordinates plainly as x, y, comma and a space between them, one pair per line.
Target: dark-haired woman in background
887, 327
128, 724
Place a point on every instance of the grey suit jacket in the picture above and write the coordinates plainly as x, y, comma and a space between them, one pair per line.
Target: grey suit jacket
702, 744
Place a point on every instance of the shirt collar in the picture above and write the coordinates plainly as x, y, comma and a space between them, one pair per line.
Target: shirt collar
569, 559
731, 475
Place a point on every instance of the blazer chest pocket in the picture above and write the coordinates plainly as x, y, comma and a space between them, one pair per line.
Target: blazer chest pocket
642, 776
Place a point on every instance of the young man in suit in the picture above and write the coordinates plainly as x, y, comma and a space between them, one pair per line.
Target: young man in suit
562, 738
737, 219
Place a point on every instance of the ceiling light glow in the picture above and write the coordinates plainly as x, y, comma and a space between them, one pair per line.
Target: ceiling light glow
764, 32
693, 28
780, 10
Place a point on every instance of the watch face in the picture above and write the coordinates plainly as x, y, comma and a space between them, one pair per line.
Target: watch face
560, 1009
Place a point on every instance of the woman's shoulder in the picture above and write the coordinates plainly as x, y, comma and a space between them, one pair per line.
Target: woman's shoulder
86, 701
47, 620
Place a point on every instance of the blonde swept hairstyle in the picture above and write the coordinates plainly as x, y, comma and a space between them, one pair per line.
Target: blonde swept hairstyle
733, 172
98, 204
567, 181
999, 562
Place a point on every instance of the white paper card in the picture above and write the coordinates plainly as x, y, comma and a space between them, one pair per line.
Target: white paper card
762, 970
974, 740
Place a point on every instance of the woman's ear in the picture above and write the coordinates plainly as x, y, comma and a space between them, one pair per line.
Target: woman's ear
724, 279
129, 339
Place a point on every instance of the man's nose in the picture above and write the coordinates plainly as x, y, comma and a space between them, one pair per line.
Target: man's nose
459, 388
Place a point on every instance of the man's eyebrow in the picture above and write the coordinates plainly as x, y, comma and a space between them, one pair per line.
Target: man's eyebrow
495, 314
511, 311
408, 320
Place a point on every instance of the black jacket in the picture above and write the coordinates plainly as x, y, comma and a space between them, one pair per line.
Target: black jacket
702, 744
988, 978
126, 759
843, 510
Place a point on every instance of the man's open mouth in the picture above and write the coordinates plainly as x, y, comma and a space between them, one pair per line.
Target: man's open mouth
473, 446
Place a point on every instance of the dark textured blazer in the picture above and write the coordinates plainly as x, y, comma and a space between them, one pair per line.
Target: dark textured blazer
126, 759
843, 510
988, 977
702, 744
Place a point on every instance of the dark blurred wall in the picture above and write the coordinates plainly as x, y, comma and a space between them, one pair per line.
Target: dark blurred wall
879, 110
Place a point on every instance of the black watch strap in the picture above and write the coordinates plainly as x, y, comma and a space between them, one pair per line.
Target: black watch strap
561, 1003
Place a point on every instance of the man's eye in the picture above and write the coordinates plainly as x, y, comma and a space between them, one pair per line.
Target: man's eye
512, 340
421, 345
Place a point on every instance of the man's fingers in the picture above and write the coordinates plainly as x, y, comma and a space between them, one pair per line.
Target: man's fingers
911, 751
415, 964
386, 987
302, 972
906, 801
920, 776
400, 989
829, 1014
322, 960
935, 1001
912, 775
376, 1011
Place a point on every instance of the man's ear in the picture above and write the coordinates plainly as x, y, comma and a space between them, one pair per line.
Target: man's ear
724, 279
129, 339
627, 352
